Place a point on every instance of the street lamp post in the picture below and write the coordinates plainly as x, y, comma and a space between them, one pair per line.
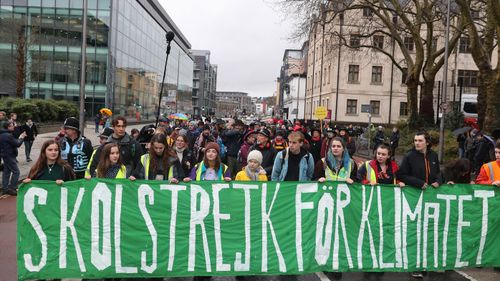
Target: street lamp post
445, 84
83, 69
169, 37
298, 93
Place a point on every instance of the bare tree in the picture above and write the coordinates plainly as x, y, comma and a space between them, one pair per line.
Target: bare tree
17, 30
414, 26
484, 36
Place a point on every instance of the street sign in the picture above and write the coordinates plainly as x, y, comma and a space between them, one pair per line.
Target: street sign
321, 112
366, 108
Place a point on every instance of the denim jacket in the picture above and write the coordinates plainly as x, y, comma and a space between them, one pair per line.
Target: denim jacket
280, 168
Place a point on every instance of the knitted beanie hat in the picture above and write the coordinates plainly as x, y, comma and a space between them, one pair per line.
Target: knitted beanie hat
255, 155
212, 145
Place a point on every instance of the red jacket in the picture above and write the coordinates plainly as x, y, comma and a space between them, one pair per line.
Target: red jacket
373, 163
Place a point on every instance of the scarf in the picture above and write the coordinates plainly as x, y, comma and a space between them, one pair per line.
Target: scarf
112, 171
180, 153
253, 175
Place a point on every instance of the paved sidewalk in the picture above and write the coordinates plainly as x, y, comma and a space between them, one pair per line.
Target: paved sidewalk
24, 166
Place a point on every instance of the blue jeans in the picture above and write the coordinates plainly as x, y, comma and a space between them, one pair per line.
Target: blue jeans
10, 175
27, 148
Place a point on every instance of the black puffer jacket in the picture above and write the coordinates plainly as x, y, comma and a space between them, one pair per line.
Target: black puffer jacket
268, 155
418, 169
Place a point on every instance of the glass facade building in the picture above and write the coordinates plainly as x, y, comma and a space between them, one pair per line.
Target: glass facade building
40, 47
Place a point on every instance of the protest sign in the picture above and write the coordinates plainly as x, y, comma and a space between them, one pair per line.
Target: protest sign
120, 228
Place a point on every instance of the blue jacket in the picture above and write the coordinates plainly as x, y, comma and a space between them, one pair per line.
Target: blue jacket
9, 144
280, 168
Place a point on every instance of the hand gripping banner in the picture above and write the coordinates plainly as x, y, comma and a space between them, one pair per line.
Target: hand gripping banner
120, 228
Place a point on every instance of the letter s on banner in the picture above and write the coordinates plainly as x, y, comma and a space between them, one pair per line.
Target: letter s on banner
29, 205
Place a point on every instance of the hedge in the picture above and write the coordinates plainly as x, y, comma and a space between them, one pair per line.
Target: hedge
39, 110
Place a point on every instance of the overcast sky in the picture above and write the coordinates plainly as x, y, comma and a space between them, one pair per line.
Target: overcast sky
246, 39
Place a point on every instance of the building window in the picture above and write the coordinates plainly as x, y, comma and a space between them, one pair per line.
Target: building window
355, 40
403, 109
377, 74
353, 76
467, 78
404, 75
409, 44
375, 105
367, 12
378, 41
352, 106
464, 45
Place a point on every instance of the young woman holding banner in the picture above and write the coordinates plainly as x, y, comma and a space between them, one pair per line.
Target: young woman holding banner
160, 163
185, 155
381, 170
110, 164
50, 165
210, 168
337, 165
420, 169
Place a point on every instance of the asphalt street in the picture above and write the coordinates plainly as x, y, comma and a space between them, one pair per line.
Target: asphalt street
8, 259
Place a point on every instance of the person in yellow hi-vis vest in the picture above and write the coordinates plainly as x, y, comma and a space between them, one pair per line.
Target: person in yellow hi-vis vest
210, 168
103, 139
110, 164
161, 163
381, 170
337, 165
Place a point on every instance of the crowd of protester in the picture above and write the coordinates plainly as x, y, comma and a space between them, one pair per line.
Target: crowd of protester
204, 150
183, 151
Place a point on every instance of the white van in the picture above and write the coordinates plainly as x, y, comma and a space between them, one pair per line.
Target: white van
469, 105
469, 108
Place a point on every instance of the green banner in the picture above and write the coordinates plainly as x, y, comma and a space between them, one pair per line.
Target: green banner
119, 228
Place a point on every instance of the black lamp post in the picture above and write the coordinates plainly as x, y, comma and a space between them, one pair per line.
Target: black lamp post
169, 36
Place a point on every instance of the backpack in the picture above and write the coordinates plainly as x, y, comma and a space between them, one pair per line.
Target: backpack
223, 148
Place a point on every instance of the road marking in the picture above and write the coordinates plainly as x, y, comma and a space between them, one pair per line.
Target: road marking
466, 275
322, 276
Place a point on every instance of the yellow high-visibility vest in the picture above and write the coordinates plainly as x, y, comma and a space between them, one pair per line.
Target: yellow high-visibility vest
145, 160
200, 168
343, 174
